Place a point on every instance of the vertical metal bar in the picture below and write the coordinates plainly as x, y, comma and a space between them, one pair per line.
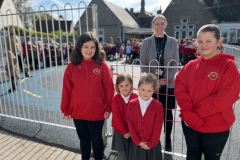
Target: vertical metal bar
182, 143
44, 56
39, 68
60, 36
50, 59
56, 62
174, 118
94, 21
79, 21
24, 31
10, 43
4, 73
4, 39
66, 52
33, 65
21, 59
230, 136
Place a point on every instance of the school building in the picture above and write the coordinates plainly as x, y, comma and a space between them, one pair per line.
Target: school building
115, 21
186, 17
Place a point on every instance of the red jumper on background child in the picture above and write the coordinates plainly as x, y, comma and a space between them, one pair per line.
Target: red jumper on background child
121, 136
87, 94
206, 89
145, 119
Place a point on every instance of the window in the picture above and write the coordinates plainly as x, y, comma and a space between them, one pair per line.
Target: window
224, 34
100, 39
238, 36
177, 34
177, 27
101, 35
190, 33
191, 26
184, 27
183, 34
232, 35
184, 20
100, 32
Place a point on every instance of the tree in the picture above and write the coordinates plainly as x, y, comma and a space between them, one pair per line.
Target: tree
24, 6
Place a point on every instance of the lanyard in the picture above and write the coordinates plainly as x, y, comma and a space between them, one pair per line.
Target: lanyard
159, 52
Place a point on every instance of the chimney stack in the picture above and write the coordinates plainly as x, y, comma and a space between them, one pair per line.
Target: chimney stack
131, 10
160, 11
142, 13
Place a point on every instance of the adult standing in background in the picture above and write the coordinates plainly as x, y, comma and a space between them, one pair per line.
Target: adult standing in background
118, 44
162, 48
13, 45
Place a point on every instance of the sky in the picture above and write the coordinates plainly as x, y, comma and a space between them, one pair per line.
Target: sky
150, 5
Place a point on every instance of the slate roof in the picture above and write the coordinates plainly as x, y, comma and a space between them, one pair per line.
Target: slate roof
123, 16
56, 26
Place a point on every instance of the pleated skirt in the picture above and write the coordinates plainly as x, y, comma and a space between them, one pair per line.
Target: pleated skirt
137, 153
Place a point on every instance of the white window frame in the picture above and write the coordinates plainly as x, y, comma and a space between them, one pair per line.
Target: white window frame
101, 36
179, 27
184, 22
192, 33
225, 38
189, 25
235, 37
185, 28
176, 34
185, 34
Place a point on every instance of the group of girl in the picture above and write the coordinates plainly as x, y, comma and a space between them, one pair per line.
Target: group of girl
205, 90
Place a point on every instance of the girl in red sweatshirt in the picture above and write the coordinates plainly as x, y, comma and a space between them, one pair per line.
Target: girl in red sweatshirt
121, 136
145, 119
87, 93
206, 89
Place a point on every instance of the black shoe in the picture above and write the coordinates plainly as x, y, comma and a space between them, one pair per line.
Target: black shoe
10, 90
27, 75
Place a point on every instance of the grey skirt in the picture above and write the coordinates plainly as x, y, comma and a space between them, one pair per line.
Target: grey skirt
120, 143
137, 153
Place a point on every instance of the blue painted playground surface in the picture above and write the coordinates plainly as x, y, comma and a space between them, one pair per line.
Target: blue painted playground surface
33, 93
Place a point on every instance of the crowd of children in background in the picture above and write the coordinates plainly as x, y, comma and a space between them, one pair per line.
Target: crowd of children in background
130, 49
45, 53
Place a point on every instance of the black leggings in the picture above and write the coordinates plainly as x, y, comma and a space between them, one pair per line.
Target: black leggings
168, 115
211, 144
90, 132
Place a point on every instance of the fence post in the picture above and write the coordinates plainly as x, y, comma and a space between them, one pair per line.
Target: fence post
95, 19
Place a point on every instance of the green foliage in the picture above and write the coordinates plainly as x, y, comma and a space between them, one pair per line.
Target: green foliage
33, 33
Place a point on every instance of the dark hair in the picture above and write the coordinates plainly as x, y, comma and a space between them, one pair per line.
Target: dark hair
211, 28
76, 55
120, 78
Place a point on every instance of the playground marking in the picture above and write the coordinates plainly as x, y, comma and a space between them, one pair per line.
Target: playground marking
31, 93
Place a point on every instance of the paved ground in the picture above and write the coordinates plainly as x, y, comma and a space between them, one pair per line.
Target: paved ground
38, 99
16, 147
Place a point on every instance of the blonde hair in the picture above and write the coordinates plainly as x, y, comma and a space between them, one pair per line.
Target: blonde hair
148, 78
122, 77
159, 16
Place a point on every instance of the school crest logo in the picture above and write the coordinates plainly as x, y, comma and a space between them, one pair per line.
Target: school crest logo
96, 71
213, 75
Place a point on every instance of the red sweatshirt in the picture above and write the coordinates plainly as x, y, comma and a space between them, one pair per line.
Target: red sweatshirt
145, 128
119, 111
206, 91
87, 90
26, 50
